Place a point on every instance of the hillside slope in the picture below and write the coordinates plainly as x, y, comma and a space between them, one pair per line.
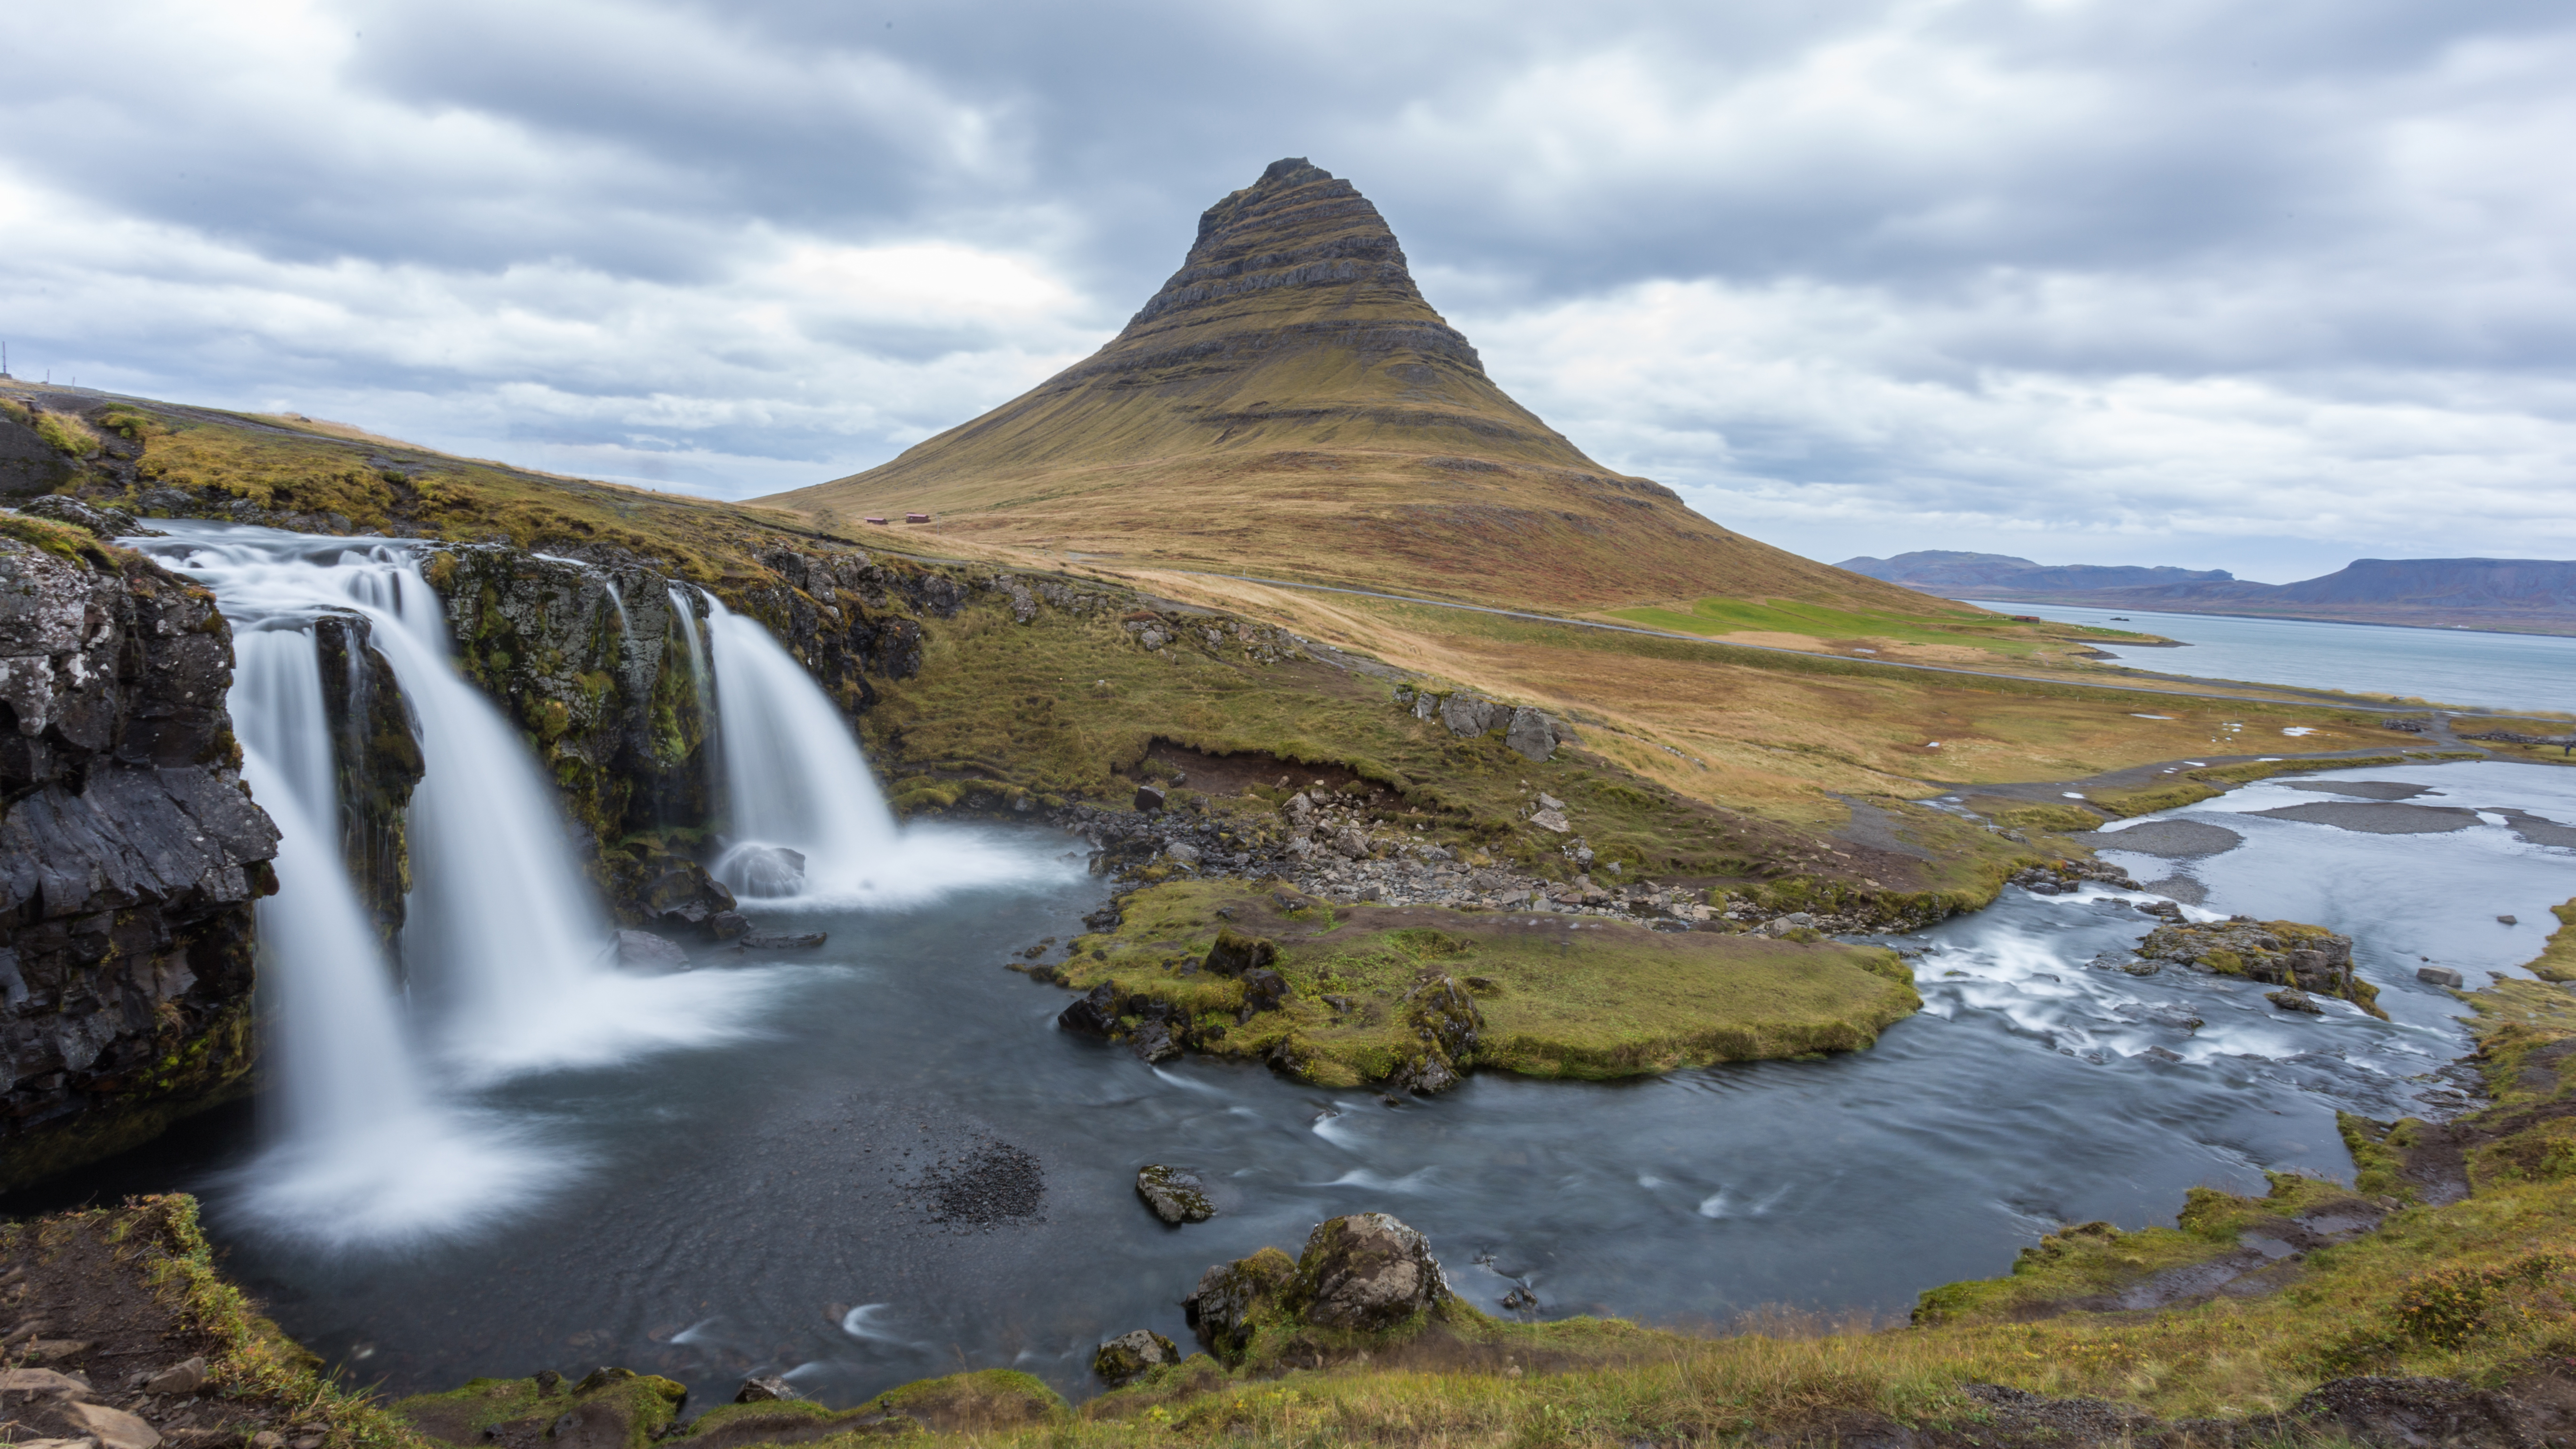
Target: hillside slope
1288, 404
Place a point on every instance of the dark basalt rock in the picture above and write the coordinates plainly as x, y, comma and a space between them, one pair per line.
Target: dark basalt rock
1235, 953
377, 764
1093, 1015
130, 854
1176, 1196
768, 1389
1153, 1042
1264, 990
1149, 797
1231, 1297
63, 508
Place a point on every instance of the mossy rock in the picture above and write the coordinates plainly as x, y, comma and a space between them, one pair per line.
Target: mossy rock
609, 1408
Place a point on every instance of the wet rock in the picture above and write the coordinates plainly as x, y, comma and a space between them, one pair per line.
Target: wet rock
649, 955
1130, 1356
1264, 990
677, 894
1176, 1196
766, 1389
1106, 918
1366, 1273
1093, 1015
1149, 797
768, 871
1153, 1043
2290, 998
2440, 976
759, 940
1235, 953
728, 926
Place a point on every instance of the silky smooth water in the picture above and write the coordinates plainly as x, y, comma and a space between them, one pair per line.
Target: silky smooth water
770, 1204
2446, 666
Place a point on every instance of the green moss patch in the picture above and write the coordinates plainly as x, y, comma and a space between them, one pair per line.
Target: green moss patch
1558, 996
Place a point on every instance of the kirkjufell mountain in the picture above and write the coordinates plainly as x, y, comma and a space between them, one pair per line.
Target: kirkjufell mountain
1288, 403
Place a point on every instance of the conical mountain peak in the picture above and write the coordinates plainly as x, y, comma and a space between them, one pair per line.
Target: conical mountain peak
1288, 402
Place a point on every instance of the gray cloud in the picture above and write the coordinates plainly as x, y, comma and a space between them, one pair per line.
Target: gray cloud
2186, 283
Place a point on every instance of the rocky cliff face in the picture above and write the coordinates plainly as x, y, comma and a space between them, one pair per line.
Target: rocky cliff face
593, 658
130, 853
378, 762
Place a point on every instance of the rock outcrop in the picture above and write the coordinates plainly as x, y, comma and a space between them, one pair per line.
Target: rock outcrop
377, 761
130, 854
2290, 954
1364, 1274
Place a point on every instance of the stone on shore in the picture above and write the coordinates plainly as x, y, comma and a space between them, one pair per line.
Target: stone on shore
1367, 1272
766, 1389
1130, 1356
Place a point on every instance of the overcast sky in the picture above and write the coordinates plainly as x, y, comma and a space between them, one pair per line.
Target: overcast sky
2251, 286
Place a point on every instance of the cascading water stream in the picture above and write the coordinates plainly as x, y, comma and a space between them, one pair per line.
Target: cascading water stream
794, 777
796, 781
507, 941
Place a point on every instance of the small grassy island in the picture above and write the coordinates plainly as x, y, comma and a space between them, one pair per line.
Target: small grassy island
1345, 995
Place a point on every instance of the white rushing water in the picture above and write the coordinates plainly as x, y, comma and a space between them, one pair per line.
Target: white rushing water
508, 946
365, 1149
795, 780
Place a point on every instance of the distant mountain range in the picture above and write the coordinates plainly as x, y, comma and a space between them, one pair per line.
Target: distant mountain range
2526, 595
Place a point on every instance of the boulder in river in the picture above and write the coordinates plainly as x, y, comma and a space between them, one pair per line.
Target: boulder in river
1094, 1015
759, 940
1176, 1196
1130, 1356
2440, 976
2293, 954
770, 871
1153, 1043
2291, 998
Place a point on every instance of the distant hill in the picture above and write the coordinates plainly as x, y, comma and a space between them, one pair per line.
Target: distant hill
2537, 595
1288, 404
1941, 568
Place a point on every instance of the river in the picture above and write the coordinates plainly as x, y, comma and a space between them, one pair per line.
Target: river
2475, 668
776, 1202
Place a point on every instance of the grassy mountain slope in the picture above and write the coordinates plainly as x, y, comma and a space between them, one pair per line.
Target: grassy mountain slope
1289, 404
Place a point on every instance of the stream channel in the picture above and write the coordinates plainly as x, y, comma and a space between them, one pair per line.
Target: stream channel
881, 1161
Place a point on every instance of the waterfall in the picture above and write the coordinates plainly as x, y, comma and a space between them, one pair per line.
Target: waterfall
796, 781
363, 1149
702, 680
507, 943
793, 775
